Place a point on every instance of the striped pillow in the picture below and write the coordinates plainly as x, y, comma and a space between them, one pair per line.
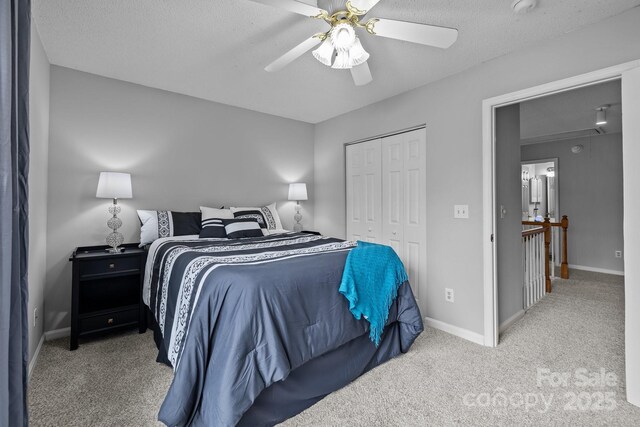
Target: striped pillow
242, 227
213, 227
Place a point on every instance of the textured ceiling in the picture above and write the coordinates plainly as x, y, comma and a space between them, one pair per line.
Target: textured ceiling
217, 49
572, 111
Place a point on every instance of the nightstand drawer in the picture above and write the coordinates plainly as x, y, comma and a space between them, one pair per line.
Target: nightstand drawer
109, 320
109, 265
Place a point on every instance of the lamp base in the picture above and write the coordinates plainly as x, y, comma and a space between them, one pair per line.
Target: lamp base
114, 250
297, 227
114, 239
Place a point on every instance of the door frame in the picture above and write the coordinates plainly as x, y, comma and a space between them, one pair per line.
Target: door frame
489, 106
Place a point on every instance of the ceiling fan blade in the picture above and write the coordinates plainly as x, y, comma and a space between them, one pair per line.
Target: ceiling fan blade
293, 6
361, 74
429, 35
293, 54
361, 7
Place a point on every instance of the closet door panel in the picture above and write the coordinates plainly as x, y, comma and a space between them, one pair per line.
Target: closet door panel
392, 193
363, 191
415, 209
372, 191
355, 189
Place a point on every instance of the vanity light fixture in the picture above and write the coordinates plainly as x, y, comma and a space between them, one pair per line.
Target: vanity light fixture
551, 172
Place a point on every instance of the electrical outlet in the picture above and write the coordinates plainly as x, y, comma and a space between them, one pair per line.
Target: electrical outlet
35, 316
461, 211
448, 294
618, 254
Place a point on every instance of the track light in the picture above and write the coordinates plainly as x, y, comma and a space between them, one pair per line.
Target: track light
601, 115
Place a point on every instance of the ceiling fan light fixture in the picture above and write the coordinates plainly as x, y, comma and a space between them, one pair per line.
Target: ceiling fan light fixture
357, 54
342, 36
324, 53
342, 61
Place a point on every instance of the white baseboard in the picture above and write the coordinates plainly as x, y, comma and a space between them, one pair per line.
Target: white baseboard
510, 321
34, 359
455, 330
597, 270
57, 333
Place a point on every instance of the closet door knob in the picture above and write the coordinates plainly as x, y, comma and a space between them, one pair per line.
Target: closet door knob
394, 233
369, 230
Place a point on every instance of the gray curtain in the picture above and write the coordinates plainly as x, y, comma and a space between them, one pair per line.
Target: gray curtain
14, 170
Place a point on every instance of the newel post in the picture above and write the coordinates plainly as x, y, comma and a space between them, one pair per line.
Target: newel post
564, 267
547, 244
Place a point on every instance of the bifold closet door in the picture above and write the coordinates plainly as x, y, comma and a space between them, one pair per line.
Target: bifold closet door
364, 189
404, 201
392, 193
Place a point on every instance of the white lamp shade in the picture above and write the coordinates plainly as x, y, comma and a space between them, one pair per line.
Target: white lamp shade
298, 191
114, 185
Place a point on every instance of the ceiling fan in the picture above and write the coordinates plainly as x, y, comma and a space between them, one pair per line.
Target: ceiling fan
341, 47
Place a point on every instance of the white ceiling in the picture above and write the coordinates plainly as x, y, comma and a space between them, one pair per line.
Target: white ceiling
217, 49
563, 114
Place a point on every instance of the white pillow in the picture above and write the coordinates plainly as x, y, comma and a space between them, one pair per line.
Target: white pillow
156, 224
208, 213
269, 215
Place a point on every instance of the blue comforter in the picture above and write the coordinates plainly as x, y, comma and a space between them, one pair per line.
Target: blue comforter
239, 316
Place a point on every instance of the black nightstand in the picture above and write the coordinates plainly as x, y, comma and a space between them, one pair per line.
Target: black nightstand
106, 290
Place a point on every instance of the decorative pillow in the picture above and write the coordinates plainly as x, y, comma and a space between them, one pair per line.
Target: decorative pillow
242, 227
267, 216
213, 227
156, 224
208, 213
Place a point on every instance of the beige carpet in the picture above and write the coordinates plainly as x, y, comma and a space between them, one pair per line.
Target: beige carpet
443, 380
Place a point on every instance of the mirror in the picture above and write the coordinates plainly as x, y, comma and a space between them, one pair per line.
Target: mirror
539, 190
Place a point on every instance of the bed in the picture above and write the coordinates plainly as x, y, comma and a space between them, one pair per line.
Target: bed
255, 328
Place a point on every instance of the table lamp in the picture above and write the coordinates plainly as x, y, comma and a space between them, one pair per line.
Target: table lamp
297, 192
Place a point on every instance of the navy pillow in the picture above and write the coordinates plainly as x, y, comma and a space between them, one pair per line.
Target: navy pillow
186, 223
213, 227
242, 227
255, 215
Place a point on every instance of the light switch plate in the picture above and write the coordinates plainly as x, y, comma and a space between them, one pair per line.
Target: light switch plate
461, 211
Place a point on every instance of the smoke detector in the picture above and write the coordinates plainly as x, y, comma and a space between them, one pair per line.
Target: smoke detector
577, 149
523, 6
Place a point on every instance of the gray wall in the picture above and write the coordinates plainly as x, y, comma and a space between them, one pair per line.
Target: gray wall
39, 139
508, 233
590, 194
451, 109
182, 152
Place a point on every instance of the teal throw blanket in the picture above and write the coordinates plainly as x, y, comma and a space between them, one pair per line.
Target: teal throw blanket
370, 281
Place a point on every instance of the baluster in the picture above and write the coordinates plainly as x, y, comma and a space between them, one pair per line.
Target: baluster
524, 273
532, 255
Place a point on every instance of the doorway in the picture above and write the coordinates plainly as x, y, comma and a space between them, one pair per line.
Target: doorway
630, 75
